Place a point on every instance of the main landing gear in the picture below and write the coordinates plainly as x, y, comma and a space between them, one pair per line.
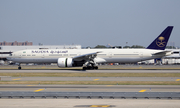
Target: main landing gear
90, 67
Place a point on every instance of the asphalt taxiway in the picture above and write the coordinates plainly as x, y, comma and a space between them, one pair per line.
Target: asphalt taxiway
102, 68
8, 78
91, 88
88, 103
88, 71
84, 96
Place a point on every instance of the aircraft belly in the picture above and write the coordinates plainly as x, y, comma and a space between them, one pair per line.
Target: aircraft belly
35, 60
122, 60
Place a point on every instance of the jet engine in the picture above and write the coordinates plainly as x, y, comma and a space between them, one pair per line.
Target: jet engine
65, 62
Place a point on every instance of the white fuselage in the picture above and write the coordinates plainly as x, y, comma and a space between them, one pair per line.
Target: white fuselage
105, 55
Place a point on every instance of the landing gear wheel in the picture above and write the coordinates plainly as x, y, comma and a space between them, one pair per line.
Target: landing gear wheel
19, 68
90, 68
84, 68
96, 68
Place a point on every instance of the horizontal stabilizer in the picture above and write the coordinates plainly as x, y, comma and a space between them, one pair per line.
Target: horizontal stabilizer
161, 53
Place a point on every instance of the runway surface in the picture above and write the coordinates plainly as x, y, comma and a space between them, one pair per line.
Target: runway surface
8, 78
88, 71
88, 103
84, 96
102, 68
91, 88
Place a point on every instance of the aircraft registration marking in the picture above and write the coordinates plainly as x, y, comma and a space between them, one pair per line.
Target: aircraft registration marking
96, 79
17, 79
177, 79
38, 90
142, 90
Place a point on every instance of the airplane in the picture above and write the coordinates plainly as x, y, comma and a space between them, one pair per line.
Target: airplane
89, 58
175, 54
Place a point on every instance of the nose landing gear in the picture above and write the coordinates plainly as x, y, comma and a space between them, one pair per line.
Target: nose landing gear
19, 66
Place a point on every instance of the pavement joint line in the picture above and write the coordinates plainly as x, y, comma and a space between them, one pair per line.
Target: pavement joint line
142, 90
38, 90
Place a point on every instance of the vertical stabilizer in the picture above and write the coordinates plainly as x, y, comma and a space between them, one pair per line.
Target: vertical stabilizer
161, 41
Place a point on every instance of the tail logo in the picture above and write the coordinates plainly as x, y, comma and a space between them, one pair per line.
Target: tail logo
160, 42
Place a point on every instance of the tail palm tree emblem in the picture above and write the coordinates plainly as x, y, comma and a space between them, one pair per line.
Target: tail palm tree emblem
160, 42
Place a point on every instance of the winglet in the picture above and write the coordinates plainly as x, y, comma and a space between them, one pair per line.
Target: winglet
161, 41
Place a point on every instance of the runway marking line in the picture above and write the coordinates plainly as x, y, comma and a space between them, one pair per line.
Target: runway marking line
142, 90
96, 79
100, 106
109, 85
17, 79
31, 85
38, 90
177, 79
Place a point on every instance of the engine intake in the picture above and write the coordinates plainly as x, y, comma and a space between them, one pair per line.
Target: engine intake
65, 62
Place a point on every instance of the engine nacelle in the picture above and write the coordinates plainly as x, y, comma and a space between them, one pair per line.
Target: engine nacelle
65, 62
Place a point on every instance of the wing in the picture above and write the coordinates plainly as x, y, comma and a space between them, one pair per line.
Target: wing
162, 53
86, 57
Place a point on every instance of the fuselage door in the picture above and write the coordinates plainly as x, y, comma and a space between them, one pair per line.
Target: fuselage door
141, 54
19, 55
79, 53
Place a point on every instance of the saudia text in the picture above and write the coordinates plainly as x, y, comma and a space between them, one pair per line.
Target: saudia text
36, 51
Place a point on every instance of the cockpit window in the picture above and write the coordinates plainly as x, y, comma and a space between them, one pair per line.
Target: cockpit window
10, 54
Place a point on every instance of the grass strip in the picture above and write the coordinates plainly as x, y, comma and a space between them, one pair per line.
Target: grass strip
91, 74
93, 82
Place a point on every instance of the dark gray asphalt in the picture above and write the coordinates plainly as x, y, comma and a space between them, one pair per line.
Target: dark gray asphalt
89, 78
92, 91
92, 88
90, 71
92, 95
